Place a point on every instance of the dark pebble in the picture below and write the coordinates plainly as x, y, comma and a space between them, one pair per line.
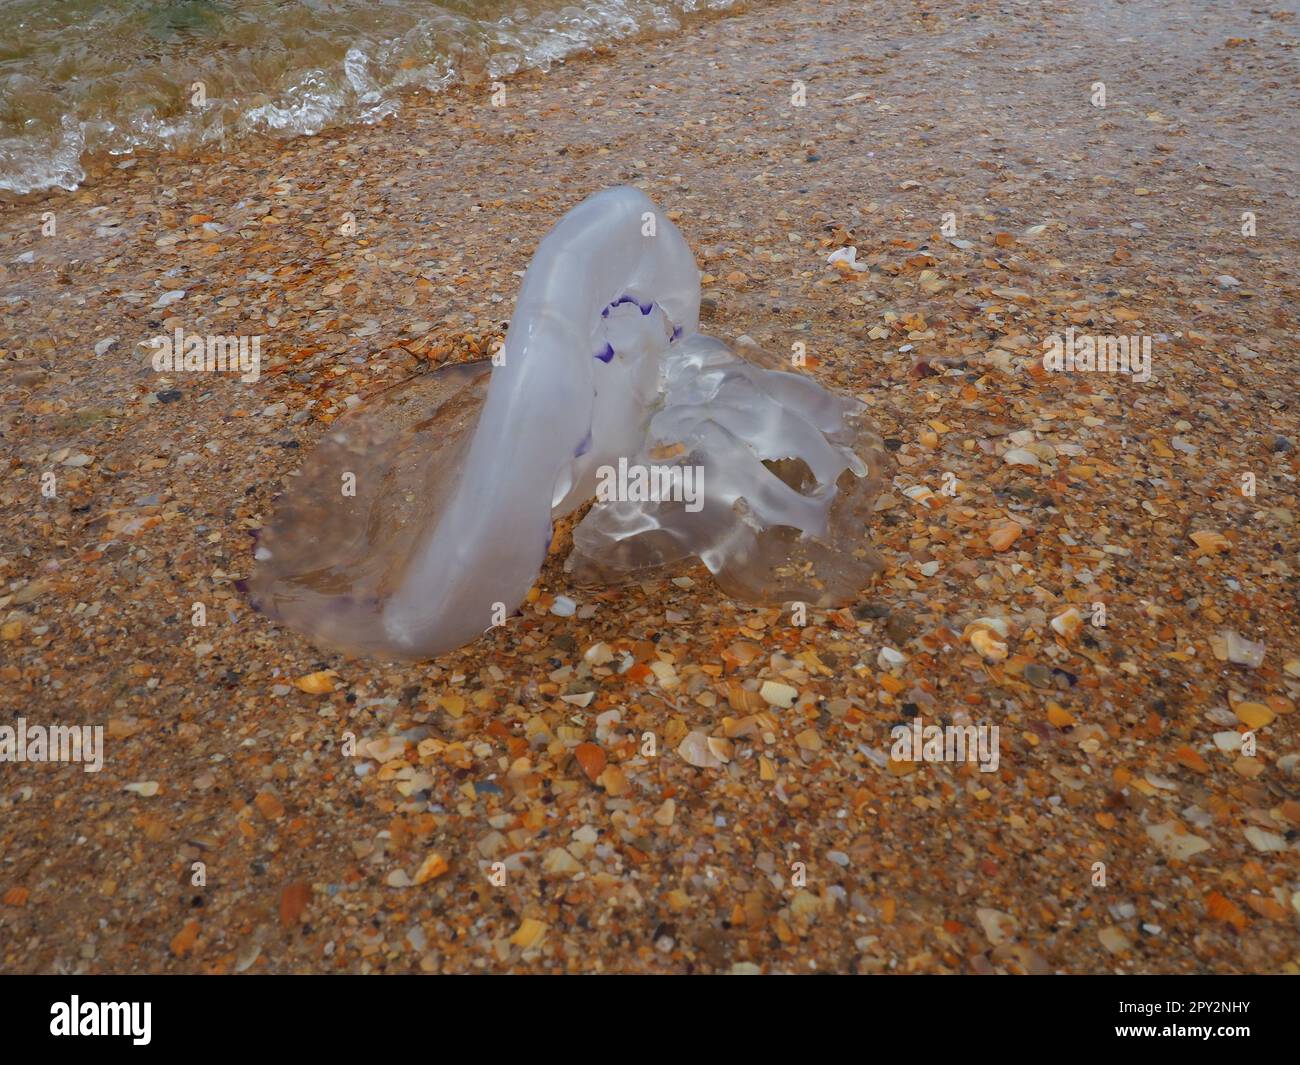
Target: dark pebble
1038, 675
868, 611
900, 626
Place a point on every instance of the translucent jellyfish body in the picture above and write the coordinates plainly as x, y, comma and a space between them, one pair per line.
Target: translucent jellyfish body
604, 389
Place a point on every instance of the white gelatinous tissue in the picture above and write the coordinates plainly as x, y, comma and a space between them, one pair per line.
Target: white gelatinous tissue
607, 391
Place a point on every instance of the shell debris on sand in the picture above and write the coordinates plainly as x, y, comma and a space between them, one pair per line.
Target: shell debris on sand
1131, 643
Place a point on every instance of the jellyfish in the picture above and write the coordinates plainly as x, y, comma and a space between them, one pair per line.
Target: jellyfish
604, 390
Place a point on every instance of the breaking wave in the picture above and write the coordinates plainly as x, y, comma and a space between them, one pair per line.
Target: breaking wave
82, 77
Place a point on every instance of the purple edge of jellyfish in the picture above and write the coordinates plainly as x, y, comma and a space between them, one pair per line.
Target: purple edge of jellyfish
607, 354
645, 308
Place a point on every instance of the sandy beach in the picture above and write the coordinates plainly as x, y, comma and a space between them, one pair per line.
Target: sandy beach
1101, 564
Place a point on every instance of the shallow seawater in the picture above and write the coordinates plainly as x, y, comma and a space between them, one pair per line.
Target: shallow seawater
80, 77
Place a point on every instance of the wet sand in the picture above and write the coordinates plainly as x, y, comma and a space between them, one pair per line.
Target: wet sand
800, 845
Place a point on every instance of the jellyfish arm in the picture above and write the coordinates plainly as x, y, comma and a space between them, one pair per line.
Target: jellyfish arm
492, 539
